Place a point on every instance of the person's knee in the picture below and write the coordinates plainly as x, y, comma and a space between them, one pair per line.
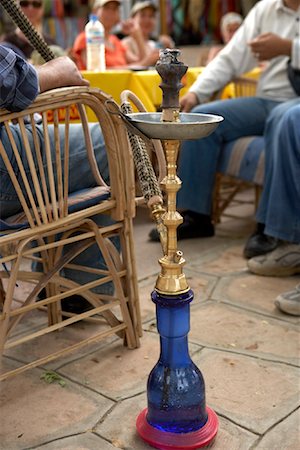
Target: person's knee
291, 119
277, 113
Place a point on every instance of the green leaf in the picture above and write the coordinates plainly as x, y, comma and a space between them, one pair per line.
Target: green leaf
52, 377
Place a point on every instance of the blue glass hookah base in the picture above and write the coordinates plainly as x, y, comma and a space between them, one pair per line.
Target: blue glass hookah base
176, 390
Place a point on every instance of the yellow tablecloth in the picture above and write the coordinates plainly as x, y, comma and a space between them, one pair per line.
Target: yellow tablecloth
145, 84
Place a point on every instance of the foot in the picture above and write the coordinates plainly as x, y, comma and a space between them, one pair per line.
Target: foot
194, 225
74, 304
289, 302
259, 243
284, 261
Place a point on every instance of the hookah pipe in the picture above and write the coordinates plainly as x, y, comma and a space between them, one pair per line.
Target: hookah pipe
147, 179
22, 21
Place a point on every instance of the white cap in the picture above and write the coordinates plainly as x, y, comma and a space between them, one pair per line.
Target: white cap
230, 18
99, 3
142, 5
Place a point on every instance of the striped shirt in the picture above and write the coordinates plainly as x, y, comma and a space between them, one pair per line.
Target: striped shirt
18, 81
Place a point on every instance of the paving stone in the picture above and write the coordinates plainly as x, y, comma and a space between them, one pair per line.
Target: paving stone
120, 423
221, 325
85, 441
221, 260
251, 392
33, 412
116, 371
55, 341
255, 292
240, 226
285, 436
147, 253
233, 437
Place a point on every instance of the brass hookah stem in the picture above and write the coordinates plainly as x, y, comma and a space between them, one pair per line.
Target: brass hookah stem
171, 185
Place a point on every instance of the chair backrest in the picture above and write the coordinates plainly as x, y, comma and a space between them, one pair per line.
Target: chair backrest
42, 181
244, 86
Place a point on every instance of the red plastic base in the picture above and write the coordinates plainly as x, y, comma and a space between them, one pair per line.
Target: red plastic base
164, 440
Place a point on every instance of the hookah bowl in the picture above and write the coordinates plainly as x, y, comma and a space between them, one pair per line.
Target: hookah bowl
177, 417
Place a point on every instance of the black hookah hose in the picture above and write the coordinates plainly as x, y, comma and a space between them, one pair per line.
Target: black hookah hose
35, 39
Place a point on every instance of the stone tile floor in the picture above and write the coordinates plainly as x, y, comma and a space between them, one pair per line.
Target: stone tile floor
247, 351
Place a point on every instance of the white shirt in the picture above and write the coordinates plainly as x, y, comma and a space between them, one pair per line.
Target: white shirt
267, 16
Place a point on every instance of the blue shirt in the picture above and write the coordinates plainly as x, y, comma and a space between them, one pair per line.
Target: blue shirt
18, 81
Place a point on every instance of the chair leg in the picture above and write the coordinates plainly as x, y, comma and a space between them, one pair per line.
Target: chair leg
132, 279
2, 294
131, 338
4, 325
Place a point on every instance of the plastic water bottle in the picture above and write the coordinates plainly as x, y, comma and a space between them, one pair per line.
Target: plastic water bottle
95, 45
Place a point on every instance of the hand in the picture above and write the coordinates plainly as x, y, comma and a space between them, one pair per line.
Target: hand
130, 27
269, 45
151, 58
166, 41
59, 72
188, 101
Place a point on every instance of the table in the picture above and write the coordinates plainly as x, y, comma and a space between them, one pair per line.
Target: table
145, 84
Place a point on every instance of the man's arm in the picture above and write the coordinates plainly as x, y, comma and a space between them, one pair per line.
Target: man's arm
294, 66
59, 72
18, 81
295, 54
234, 59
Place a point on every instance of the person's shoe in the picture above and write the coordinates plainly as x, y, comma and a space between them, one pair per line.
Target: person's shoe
259, 243
284, 261
74, 304
289, 302
194, 225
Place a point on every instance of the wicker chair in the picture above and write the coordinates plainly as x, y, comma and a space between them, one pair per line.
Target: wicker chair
241, 163
51, 219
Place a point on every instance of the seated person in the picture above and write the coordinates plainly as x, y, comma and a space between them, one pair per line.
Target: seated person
230, 22
34, 10
116, 54
144, 15
16, 95
245, 116
279, 208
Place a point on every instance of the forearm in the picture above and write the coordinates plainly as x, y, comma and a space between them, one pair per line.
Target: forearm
140, 43
59, 72
47, 79
295, 54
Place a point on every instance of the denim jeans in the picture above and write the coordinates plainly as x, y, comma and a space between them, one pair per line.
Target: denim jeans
198, 159
279, 207
80, 177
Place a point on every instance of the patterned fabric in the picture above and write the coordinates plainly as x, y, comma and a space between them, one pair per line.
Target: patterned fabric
244, 158
18, 81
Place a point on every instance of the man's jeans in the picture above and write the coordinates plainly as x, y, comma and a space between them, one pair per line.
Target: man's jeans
198, 159
279, 208
80, 177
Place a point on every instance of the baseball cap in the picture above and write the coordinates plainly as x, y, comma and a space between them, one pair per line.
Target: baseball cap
142, 5
99, 3
230, 18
